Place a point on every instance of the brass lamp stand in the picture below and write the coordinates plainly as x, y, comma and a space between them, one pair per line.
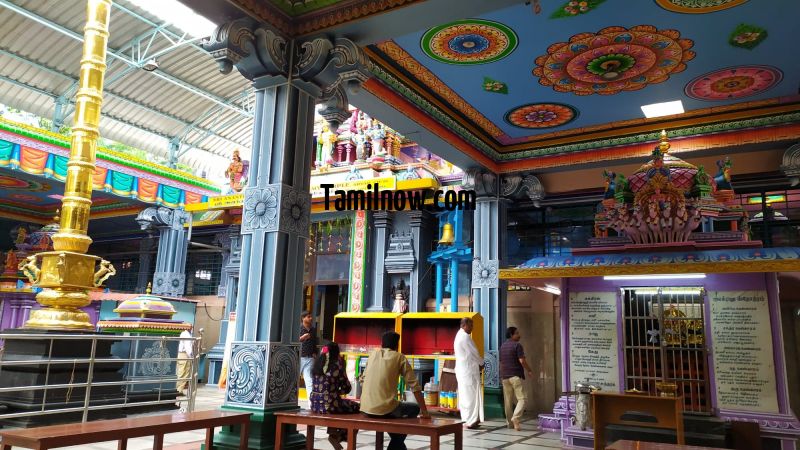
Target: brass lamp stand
67, 273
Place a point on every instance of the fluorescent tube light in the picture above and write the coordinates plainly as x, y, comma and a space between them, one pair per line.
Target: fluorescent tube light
666, 276
551, 289
668, 291
662, 109
178, 15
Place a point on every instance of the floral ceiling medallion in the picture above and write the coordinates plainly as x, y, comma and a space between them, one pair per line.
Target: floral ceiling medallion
469, 41
541, 115
614, 59
575, 8
734, 82
747, 36
698, 6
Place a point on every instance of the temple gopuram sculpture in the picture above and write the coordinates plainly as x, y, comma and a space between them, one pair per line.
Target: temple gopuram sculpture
236, 172
665, 201
326, 146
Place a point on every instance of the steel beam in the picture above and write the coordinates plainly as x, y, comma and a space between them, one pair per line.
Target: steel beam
117, 55
66, 112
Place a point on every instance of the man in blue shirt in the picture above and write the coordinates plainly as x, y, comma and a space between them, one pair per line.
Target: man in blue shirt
512, 371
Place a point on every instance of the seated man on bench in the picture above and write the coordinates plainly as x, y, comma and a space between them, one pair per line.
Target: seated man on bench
379, 394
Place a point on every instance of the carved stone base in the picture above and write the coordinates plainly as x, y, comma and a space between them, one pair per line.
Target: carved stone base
262, 431
262, 379
263, 374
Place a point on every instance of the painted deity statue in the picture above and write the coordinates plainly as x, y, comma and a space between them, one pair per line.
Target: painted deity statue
723, 177
235, 172
327, 142
362, 124
22, 233
377, 137
360, 140
11, 262
610, 187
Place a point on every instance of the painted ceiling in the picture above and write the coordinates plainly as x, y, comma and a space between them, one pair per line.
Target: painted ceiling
300, 7
27, 197
512, 79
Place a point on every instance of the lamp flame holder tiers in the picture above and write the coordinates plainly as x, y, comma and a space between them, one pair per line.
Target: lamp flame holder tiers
67, 273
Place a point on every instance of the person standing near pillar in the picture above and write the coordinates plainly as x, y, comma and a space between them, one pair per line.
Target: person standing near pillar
185, 354
468, 374
308, 349
513, 367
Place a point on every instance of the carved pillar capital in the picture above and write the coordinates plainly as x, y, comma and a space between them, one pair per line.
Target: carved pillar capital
382, 219
790, 165
161, 217
323, 67
515, 185
484, 183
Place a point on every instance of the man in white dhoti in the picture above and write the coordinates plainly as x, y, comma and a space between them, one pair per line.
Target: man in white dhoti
468, 374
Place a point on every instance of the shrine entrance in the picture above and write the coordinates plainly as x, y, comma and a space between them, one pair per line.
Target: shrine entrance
664, 331
327, 272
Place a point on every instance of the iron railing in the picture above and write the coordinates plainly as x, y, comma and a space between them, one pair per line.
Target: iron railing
149, 362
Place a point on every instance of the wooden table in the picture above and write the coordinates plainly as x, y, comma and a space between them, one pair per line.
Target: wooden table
434, 428
639, 445
608, 409
55, 436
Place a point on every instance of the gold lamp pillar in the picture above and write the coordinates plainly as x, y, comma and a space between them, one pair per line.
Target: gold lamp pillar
67, 273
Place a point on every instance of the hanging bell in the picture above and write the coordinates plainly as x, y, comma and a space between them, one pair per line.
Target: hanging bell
447, 234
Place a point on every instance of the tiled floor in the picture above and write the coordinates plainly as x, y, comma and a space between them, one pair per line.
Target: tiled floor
491, 435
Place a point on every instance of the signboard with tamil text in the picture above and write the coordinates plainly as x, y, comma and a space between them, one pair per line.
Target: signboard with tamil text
384, 184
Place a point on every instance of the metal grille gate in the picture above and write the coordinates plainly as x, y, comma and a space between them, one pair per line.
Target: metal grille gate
665, 343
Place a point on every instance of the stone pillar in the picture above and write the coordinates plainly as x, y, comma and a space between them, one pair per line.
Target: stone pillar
488, 293
169, 278
289, 77
230, 241
420, 275
145, 261
379, 300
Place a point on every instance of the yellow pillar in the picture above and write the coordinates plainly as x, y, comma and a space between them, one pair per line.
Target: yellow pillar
68, 273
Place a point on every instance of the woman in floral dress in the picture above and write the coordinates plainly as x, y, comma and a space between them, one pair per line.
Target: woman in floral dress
330, 383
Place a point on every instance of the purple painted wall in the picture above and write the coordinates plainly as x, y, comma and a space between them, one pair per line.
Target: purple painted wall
783, 426
16, 307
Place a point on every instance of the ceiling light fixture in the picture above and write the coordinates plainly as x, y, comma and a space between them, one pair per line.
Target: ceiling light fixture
150, 65
662, 109
550, 289
178, 15
665, 276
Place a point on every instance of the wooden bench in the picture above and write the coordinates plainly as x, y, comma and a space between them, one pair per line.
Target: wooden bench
612, 408
54, 436
639, 445
434, 428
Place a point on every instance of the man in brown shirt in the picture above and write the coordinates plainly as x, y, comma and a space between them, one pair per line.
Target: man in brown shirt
379, 394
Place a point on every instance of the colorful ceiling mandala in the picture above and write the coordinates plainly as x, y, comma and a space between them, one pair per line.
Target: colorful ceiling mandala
23, 185
734, 82
541, 115
614, 59
469, 41
698, 6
